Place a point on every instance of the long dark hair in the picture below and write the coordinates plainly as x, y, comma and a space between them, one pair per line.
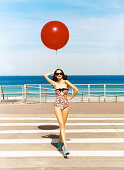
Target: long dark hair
65, 77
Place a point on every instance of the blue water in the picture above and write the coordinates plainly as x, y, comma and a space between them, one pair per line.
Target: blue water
74, 79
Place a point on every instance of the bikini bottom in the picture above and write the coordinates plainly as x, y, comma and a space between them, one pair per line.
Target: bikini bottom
62, 105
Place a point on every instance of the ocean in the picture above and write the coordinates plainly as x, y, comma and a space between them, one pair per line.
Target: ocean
74, 79
80, 81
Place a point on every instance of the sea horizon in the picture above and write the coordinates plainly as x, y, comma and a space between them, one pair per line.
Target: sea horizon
74, 79
73, 75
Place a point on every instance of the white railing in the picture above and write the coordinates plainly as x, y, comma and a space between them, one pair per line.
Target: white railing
42, 93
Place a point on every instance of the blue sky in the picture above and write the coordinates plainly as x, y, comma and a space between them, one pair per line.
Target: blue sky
96, 41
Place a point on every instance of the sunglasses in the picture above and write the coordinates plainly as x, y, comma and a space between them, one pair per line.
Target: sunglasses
58, 73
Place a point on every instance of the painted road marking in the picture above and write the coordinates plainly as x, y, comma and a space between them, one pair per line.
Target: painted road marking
67, 124
56, 153
72, 140
34, 118
66, 130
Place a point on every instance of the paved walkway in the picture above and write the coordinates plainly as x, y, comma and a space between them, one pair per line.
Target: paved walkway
74, 108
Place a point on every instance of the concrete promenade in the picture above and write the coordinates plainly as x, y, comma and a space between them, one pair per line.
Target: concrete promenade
74, 108
94, 133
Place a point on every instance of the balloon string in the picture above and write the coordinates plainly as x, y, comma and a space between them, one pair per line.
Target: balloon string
57, 58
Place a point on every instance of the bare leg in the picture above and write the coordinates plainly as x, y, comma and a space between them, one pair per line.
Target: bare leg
61, 123
64, 115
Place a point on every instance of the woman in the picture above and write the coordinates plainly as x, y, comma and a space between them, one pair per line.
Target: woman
61, 104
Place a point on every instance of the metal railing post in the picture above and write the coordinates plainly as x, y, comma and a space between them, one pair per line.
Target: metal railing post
25, 90
99, 98
40, 92
0, 95
2, 92
46, 96
88, 92
104, 92
82, 98
22, 92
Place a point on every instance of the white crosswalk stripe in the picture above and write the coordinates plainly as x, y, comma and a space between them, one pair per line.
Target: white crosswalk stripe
50, 118
66, 131
67, 124
55, 153
72, 140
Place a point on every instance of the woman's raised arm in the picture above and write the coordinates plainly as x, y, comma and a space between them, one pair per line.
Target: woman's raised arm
48, 79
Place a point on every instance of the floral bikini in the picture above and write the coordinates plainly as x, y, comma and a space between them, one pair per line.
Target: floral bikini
60, 101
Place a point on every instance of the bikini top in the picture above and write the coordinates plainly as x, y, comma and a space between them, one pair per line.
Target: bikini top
62, 89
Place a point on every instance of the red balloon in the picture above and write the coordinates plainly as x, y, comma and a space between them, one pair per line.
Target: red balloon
54, 35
